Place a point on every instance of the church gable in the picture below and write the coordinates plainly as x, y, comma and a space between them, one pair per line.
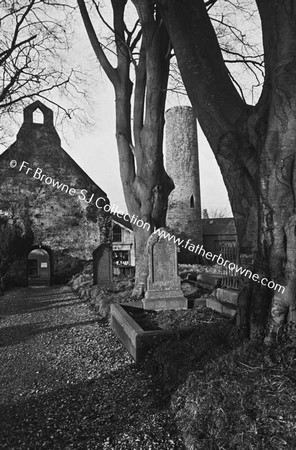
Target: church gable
42, 185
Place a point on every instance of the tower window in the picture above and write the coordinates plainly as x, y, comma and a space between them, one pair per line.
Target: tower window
191, 201
38, 116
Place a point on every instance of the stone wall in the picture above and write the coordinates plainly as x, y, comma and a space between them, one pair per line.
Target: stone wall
64, 217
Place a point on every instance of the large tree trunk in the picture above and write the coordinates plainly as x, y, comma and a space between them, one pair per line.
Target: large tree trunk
146, 196
151, 210
146, 185
254, 147
146, 193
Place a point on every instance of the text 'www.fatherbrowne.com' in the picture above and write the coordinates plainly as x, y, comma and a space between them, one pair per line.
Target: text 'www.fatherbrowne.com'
234, 268
100, 203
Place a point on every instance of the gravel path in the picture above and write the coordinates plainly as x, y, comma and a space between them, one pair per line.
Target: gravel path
68, 383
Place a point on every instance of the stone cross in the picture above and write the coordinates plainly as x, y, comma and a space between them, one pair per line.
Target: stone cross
163, 284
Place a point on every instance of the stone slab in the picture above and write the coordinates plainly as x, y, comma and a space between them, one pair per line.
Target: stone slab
222, 308
165, 303
137, 341
227, 296
194, 302
164, 293
208, 280
125, 328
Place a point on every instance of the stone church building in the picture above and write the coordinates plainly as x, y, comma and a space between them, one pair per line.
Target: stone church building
41, 184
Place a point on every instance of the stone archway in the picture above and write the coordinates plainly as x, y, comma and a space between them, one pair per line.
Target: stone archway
39, 267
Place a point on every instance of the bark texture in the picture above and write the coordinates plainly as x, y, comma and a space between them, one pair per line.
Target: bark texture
139, 130
254, 147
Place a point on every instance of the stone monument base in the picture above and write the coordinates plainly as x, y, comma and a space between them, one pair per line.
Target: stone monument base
105, 284
159, 300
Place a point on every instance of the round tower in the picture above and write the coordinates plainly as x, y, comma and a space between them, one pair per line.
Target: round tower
184, 207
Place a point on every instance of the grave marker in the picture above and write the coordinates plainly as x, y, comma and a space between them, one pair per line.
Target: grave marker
163, 283
103, 269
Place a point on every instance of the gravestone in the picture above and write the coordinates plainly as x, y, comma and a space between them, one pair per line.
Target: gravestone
102, 265
163, 283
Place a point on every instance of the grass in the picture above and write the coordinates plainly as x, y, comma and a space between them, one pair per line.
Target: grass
229, 398
170, 319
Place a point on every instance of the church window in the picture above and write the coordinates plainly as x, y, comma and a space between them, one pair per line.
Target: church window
38, 116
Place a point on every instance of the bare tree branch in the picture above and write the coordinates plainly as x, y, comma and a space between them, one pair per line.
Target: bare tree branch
107, 67
33, 43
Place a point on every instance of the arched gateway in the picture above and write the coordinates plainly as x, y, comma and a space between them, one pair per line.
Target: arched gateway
39, 267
